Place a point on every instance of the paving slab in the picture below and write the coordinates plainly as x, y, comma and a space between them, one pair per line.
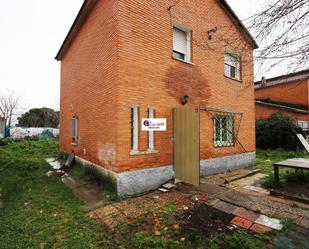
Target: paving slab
251, 180
225, 207
246, 214
269, 222
260, 203
257, 189
244, 223
257, 228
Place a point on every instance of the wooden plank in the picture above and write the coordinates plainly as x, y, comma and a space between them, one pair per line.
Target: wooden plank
187, 144
303, 141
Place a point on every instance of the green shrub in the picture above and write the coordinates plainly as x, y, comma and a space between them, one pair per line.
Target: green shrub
279, 131
5, 141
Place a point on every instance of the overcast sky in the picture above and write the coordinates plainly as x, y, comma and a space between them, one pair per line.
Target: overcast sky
31, 34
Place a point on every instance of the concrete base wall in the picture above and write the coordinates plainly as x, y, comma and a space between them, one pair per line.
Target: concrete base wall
135, 182
139, 181
227, 163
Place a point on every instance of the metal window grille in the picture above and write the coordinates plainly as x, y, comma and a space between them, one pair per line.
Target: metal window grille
226, 126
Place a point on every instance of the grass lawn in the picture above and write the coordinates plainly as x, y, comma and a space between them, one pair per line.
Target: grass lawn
41, 212
266, 158
38, 210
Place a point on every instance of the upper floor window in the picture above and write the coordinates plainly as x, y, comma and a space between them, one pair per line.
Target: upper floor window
232, 66
182, 44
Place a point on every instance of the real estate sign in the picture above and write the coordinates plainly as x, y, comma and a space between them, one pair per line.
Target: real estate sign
154, 124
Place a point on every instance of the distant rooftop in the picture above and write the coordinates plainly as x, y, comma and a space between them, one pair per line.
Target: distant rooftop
287, 78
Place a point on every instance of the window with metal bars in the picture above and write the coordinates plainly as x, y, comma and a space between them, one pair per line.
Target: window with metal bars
224, 132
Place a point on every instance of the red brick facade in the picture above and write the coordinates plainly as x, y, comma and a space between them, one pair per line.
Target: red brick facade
289, 93
122, 56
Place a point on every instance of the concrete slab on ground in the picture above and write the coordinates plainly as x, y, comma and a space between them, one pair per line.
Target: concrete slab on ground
257, 189
91, 197
269, 222
225, 207
250, 180
246, 214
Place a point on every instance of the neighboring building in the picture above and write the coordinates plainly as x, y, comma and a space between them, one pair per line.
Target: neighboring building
287, 94
125, 60
2, 127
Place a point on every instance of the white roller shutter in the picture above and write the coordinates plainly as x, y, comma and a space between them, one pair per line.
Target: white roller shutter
180, 41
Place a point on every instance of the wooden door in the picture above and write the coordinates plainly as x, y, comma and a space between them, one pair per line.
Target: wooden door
187, 144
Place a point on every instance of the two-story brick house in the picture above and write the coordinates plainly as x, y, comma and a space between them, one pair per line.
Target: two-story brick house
125, 60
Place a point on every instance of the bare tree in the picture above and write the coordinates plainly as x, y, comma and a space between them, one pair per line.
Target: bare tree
8, 106
282, 31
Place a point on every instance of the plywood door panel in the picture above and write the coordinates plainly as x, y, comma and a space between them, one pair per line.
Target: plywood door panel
187, 144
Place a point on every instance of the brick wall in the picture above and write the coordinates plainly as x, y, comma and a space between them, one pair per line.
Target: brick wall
123, 56
88, 87
294, 92
263, 112
149, 77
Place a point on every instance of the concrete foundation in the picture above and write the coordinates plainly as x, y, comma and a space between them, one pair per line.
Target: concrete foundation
135, 182
139, 181
227, 163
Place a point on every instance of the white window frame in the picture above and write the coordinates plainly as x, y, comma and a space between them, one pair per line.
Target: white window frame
229, 131
74, 132
151, 114
188, 32
134, 128
304, 125
231, 60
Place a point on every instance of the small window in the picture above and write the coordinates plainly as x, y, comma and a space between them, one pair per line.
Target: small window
232, 66
74, 130
224, 130
151, 114
134, 127
182, 44
304, 125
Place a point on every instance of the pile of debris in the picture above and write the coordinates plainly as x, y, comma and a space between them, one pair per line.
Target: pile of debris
59, 169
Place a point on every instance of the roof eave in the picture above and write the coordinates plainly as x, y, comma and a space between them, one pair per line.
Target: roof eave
239, 22
81, 17
282, 107
88, 5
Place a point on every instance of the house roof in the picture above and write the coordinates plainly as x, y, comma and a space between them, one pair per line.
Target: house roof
281, 106
88, 6
283, 79
80, 19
